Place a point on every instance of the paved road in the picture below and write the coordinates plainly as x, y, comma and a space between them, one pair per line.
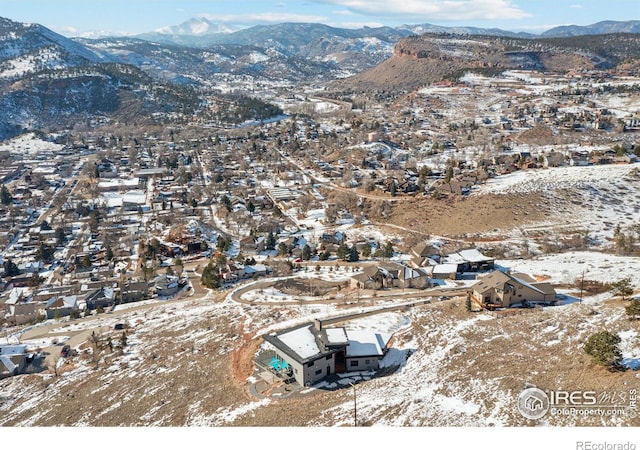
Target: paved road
103, 322
364, 296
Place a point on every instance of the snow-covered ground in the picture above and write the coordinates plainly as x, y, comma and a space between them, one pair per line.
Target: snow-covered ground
29, 144
566, 268
594, 199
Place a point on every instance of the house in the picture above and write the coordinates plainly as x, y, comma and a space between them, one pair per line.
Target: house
133, 291
252, 244
13, 359
21, 307
166, 285
313, 352
61, 306
445, 271
475, 261
422, 251
504, 290
256, 270
452, 265
100, 298
372, 277
407, 277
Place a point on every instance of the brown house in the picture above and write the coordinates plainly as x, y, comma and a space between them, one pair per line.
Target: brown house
502, 290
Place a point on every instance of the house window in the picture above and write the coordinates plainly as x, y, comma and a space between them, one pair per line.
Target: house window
353, 363
329, 357
318, 372
366, 361
310, 364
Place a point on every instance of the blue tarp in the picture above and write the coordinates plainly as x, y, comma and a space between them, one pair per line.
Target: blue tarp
278, 364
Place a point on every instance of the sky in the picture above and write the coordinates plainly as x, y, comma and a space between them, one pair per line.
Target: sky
126, 17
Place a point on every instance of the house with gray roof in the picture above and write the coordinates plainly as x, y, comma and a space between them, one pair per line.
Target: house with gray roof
313, 352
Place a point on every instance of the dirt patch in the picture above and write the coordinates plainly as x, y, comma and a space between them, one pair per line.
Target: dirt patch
242, 360
311, 287
469, 215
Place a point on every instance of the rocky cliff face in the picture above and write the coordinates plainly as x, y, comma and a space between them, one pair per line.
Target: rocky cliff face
420, 60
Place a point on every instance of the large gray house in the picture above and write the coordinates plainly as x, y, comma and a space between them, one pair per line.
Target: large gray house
312, 352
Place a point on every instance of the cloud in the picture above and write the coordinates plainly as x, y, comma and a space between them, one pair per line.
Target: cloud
260, 18
455, 10
72, 32
576, 6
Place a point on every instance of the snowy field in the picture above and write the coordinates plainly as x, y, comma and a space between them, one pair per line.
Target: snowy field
595, 199
28, 144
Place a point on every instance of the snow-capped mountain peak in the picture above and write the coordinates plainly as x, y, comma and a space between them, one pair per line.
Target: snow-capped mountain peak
196, 26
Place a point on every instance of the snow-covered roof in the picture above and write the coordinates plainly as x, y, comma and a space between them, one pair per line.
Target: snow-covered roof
473, 255
9, 350
302, 341
118, 183
65, 301
6, 361
454, 258
336, 336
365, 343
134, 197
255, 268
445, 268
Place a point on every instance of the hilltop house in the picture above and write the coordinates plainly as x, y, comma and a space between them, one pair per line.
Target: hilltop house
503, 290
312, 352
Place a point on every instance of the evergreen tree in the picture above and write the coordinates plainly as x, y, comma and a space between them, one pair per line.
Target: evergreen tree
388, 250
342, 251
306, 253
10, 268
603, 348
353, 254
209, 276
633, 309
271, 241
622, 287
5, 197
60, 235
393, 189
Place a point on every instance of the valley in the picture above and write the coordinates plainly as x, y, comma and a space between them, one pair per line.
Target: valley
182, 216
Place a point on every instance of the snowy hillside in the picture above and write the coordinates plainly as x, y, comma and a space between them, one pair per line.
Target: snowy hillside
593, 198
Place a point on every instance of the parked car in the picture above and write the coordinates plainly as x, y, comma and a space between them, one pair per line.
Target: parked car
66, 350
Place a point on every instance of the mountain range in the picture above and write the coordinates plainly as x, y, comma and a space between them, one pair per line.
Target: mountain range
48, 80
202, 32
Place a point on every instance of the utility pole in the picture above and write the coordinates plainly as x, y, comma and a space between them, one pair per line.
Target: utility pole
355, 405
581, 286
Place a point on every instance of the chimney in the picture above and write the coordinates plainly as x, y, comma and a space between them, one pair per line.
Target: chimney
317, 324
